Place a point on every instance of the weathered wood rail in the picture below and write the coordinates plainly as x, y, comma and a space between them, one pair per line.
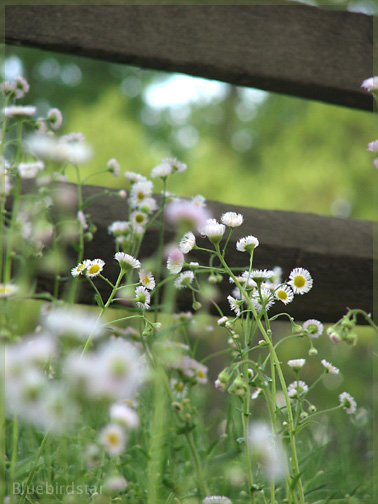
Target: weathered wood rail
315, 53
338, 252
309, 52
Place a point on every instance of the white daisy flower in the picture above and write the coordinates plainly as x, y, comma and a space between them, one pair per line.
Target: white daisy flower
30, 170
48, 147
8, 290
55, 118
199, 201
140, 191
232, 219
20, 111
296, 364
256, 393
175, 261
261, 275
216, 499
115, 483
184, 280
330, 368
177, 166
21, 87
300, 280
7, 87
127, 261
263, 299
284, 294
94, 268
193, 369
138, 218
147, 279
313, 327
135, 177
373, 146
187, 242
297, 388
222, 321
148, 205
124, 415
74, 137
349, 404
74, 322
80, 268
247, 244
213, 230
234, 304
186, 214
162, 170
119, 228
113, 438
142, 297
370, 84
113, 167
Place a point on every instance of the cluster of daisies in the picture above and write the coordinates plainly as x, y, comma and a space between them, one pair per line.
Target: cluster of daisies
47, 388
93, 268
371, 85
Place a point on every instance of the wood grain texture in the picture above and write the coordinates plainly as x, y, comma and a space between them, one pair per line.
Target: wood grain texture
298, 50
338, 252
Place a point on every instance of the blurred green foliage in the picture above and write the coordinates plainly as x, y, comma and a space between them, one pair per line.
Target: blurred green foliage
242, 146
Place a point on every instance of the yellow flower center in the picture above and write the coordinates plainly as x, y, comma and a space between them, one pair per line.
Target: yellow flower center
139, 218
5, 289
113, 438
94, 268
140, 195
282, 294
299, 281
200, 374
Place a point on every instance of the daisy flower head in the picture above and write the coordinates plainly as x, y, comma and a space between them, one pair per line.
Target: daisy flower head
162, 170
284, 294
113, 166
247, 280
175, 261
176, 165
126, 261
234, 304
216, 499
184, 280
148, 206
119, 228
370, 84
297, 388
213, 230
261, 275
300, 280
296, 364
21, 87
135, 177
8, 290
232, 219
140, 191
7, 87
82, 219
199, 201
80, 268
59, 150
94, 268
142, 297
147, 279
247, 244
349, 404
263, 299
330, 368
373, 146
30, 170
313, 327
55, 118
20, 111
138, 218
186, 214
187, 242
113, 438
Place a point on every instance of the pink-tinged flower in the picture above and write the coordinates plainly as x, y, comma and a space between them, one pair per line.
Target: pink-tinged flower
21, 87
7, 87
74, 137
375, 163
30, 170
186, 214
82, 219
373, 146
20, 111
349, 404
175, 261
113, 167
55, 118
370, 84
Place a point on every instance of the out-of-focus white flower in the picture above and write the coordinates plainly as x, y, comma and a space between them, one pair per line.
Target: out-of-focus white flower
113, 438
187, 242
186, 214
184, 280
175, 261
373, 146
199, 201
76, 323
297, 388
267, 450
330, 368
135, 177
113, 167
8, 290
296, 364
370, 84
21, 87
30, 170
20, 111
216, 499
140, 191
115, 483
232, 219
124, 415
51, 148
119, 228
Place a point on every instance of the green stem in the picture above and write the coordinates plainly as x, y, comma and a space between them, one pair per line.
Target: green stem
160, 251
197, 463
34, 468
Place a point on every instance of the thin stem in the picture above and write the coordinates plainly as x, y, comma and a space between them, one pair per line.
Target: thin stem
197, 463
34, 467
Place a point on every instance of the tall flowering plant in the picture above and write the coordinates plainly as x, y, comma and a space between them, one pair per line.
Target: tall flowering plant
108, 404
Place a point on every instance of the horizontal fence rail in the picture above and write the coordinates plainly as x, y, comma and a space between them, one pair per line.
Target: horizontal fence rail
338, 253
309, 52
